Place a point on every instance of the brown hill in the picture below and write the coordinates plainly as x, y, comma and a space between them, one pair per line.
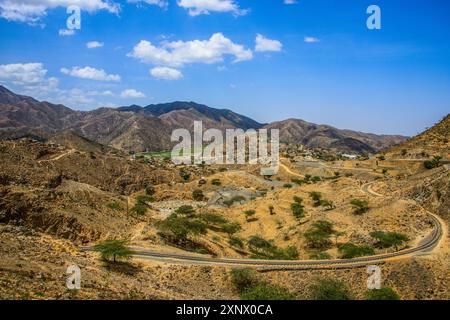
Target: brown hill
149, 128
324, 136
435, 141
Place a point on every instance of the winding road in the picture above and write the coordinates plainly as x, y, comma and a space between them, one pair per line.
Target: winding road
425, 246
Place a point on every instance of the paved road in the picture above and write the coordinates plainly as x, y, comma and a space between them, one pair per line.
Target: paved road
426, 245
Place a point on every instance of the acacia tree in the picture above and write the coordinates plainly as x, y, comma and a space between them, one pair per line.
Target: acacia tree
115, 249
361, 206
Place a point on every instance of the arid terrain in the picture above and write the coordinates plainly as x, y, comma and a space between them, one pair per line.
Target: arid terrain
65, 194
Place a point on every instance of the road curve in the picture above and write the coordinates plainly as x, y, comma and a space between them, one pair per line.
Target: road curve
426, 245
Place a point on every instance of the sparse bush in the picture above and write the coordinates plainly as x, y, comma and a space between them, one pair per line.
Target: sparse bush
434, 163
329, 289
243, 278
144, 199
211, 218
197, 195
298, 200
350, 250
216, 182
316, 179
297, 210
185, 210
384, 293
316, 197
361, 206
231, 228
388, 239
115, 249
233, 200
150, 190
320, 255
297, 181
287, 185
249, 213
114, 206
139, 209
257, 242
266, 291
327, 203
185, 175
236, 242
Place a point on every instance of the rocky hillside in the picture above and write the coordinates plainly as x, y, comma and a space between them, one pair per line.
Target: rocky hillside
136, 128
435, 141
324, 136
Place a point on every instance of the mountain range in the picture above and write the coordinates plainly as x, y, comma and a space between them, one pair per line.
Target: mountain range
136, 128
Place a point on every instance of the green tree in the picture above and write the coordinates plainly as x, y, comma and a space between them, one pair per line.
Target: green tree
316, 197
319, 234
297, 210
327, 204
350, 251
243, 278
115, 249
249, 213
384, 293
360, 206
231, 228
329, 289
388, 239
434, 163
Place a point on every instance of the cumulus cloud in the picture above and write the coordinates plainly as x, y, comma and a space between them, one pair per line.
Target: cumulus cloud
311, 39
31, 11
198, 7
166, 73
94, 44
31, 78
179, 53
90, 73
132, 93
160, 3
264, 44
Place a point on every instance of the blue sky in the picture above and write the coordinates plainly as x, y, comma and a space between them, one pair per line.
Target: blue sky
315, 60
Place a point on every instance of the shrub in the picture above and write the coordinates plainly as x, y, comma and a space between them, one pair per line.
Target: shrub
320, 255
318, 236
316, 179
139, 209
231, 228
297, 181
234, 199
236, 242
197, 195
384, 293
271, 210
185, 175
316, 197
328, 289
287, 185
185, 209
298, 200
116, 249
249, 213
114, 206
243, 278
181, 227
266, 291
257, 242
328, 204
144, 199
350, 250
216, 182
434, 163
297, 210
212, 218
361, 206
388, 239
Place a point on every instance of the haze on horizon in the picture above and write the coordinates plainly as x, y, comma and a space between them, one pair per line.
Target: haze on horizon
312, 60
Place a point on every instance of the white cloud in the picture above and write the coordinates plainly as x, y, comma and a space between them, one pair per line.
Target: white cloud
290, 1
264, 44
90, 73
160, 3
94, 44
311, 39
66, 32
166, 73
31, 78
32, 11
198, 7
131, 93
179, 53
